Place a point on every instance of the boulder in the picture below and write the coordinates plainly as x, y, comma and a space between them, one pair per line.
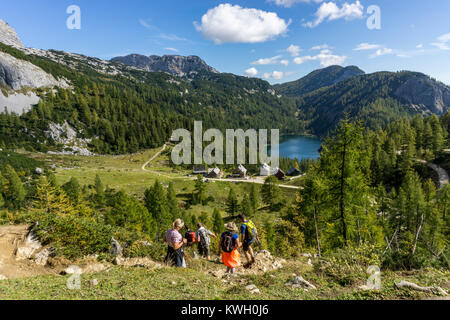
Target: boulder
2, 277
116, 248
253, 289
299, 282
41, 258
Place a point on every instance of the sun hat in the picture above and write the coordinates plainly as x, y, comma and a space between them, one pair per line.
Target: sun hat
231, 226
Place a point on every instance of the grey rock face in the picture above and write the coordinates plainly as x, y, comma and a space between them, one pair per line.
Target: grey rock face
18, 74
18, 102
421, 90
173, 64
8, 35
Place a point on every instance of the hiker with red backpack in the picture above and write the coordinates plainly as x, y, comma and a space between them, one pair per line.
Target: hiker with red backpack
204, 241
190, 236
229, 244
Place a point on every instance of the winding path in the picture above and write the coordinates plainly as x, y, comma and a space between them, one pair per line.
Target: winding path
442, 174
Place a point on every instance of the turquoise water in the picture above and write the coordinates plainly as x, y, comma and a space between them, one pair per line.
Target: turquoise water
299, 147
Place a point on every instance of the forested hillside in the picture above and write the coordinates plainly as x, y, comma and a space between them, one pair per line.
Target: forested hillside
318, 79
377, 99
136, 109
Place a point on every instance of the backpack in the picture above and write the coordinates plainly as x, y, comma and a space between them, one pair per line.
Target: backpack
190, 236
251, 231
202, 234
228, 242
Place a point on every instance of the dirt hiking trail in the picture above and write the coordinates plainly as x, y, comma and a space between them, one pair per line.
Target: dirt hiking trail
11, 237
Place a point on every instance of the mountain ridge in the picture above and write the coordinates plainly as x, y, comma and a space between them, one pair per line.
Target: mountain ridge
176, 65
317, 79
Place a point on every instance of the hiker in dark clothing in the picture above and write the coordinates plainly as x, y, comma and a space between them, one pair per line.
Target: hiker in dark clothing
175, 241
249, 236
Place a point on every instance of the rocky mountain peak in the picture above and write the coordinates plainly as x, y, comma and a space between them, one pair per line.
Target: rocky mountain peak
173, 64
8, 35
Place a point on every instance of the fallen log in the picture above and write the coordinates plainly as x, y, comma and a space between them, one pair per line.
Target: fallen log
410, 285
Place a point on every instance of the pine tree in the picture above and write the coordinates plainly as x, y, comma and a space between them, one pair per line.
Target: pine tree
51, 200
232, 203
204, 219
217, 221
246, 206
270, 192
345, 171
156, 204
15, 193
254, 199
199, 190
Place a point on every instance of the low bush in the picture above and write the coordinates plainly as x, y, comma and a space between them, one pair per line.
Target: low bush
349, 265
75, 237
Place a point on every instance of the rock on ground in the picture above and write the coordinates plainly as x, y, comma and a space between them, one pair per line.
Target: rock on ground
299, 282
137, 262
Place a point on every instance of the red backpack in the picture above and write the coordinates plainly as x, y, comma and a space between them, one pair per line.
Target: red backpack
190, 236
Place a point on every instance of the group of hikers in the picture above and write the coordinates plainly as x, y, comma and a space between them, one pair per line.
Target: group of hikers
230, 241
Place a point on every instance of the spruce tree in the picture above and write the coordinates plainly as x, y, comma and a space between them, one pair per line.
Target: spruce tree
232, 203
270, 192
217, 221
156, 204
16, 192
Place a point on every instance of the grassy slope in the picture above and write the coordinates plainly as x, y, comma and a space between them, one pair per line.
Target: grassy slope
195, 283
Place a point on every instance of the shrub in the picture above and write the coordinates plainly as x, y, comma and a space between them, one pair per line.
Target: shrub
348, 265
73, 236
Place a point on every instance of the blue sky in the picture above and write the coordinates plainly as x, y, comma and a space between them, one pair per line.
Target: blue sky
248, 37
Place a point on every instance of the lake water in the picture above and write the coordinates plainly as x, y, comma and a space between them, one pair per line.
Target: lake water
299, 147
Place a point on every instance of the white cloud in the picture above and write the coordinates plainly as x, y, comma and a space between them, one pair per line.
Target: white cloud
234, 24
321, 47
367, 46
330, 11
171, 37
382, 52
144, 23
294, 50
276, 75
264, 61
290, 3
443, 42
251, 72
284, 62
326, 58
419, 46
171, 49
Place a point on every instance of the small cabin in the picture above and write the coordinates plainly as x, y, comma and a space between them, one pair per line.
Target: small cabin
214, 173
199, 170
280, 174
239, 172
264, 170
293, 172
